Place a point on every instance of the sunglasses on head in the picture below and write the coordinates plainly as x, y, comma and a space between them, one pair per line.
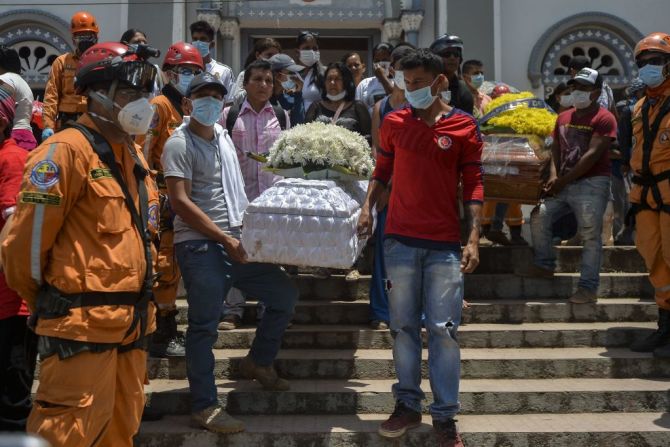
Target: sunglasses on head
658, 60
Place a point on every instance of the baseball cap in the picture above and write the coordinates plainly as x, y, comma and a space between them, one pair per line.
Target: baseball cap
579, 62
587, 76
203, 80
281, 61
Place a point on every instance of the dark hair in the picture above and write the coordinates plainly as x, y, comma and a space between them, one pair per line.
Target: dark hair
306, 35
202, 27
552, 99
425, 59
347, 81
472, 63
403, 49
9, 59
128, 35
348, 55
261, 45
257, 65
382, 46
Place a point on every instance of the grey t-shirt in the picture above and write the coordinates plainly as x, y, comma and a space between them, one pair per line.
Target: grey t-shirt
202, 166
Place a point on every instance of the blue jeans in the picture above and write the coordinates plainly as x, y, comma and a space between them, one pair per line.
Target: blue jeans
208, 275
379, 300
430, 281
587, 199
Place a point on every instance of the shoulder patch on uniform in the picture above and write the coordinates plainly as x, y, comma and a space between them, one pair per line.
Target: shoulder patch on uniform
45, 174
98, 173
40, 198
153, 217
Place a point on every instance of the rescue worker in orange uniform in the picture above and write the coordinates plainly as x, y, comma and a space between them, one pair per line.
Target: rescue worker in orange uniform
80, 253
61, 102
182, 63
650, 193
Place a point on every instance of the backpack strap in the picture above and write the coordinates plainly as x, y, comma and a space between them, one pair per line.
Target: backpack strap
281, 115
646, 179
233, 113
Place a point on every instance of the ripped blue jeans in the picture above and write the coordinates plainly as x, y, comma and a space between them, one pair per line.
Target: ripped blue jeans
429, 281
587, 199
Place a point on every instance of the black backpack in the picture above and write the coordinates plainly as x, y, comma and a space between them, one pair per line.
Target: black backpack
234, 112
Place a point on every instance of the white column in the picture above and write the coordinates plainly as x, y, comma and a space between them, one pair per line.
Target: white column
497, 39
411, 23
440, 17
230, 32
179, 21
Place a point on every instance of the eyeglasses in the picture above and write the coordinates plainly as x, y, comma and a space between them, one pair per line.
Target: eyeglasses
449, 53
659, 60
187, 71
131, 94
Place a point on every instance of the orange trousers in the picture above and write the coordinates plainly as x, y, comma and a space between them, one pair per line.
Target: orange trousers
90, 399
165, 290
653, 243
513, 217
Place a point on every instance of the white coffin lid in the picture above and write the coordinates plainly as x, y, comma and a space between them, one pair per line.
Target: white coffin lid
295, 196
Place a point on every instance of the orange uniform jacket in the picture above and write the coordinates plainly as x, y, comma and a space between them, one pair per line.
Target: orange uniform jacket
166, 120
660, 154
59, 95
73, 230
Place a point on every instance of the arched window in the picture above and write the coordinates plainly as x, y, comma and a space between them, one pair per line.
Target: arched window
39, 38
606, 40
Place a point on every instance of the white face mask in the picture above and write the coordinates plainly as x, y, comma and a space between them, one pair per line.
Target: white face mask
581, 99
399, 79
446, 96
135, 117
385, 67
566, 101
337, 97
309, 57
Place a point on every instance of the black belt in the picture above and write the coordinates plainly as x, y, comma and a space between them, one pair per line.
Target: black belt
52, 303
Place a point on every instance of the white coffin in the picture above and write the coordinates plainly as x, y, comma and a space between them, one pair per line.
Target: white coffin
308, 223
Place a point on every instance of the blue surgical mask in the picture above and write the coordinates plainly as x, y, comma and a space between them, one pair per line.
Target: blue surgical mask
652, 75
288, 85
206, 110
184, 80
203, 47
421, 98
477, 80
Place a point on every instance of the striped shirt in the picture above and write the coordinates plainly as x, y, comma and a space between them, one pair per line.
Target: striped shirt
254, 132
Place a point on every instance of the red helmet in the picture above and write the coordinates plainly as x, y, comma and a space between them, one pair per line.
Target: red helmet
182, 53
499, 90
111, 61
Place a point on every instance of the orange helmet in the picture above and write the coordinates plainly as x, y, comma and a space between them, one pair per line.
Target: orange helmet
659, 42
83, 21
183, 53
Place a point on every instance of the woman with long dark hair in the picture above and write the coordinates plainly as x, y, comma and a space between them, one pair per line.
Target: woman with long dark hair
310, 57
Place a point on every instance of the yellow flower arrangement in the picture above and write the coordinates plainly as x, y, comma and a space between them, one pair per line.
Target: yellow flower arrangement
522, 120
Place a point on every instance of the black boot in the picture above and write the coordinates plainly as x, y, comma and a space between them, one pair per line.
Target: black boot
167, 341
515, 236
660, 338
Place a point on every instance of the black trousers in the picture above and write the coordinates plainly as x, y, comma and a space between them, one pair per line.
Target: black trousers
18, 353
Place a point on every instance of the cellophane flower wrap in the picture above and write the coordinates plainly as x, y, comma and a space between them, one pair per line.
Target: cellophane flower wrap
318, 146
515, 155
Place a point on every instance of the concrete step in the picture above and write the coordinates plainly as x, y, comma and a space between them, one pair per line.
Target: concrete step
488, 286
525, 335
496, 260
484, 311
523, 430
483, 363
374, 396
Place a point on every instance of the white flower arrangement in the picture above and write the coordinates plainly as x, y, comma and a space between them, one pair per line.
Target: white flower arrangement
320, 147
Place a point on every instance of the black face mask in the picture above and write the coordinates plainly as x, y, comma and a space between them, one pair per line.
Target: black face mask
84, 44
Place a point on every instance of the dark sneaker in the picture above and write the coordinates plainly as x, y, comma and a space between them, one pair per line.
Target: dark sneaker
583, 296
379, 325
230, 322
498, 237
265, 375
400, 421
447, 434
658, 338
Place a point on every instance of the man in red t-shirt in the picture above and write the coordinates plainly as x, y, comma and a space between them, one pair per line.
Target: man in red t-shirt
428, 149
17, 364
579, 182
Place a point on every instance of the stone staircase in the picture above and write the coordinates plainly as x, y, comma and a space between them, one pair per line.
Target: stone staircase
536, 371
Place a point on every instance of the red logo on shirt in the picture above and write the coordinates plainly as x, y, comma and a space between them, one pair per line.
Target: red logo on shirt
444, 142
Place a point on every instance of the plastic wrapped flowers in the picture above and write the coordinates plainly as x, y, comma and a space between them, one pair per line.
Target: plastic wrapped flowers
321, 151
518, 113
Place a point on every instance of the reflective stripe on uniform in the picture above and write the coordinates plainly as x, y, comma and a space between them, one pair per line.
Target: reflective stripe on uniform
38, 223
663, 289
